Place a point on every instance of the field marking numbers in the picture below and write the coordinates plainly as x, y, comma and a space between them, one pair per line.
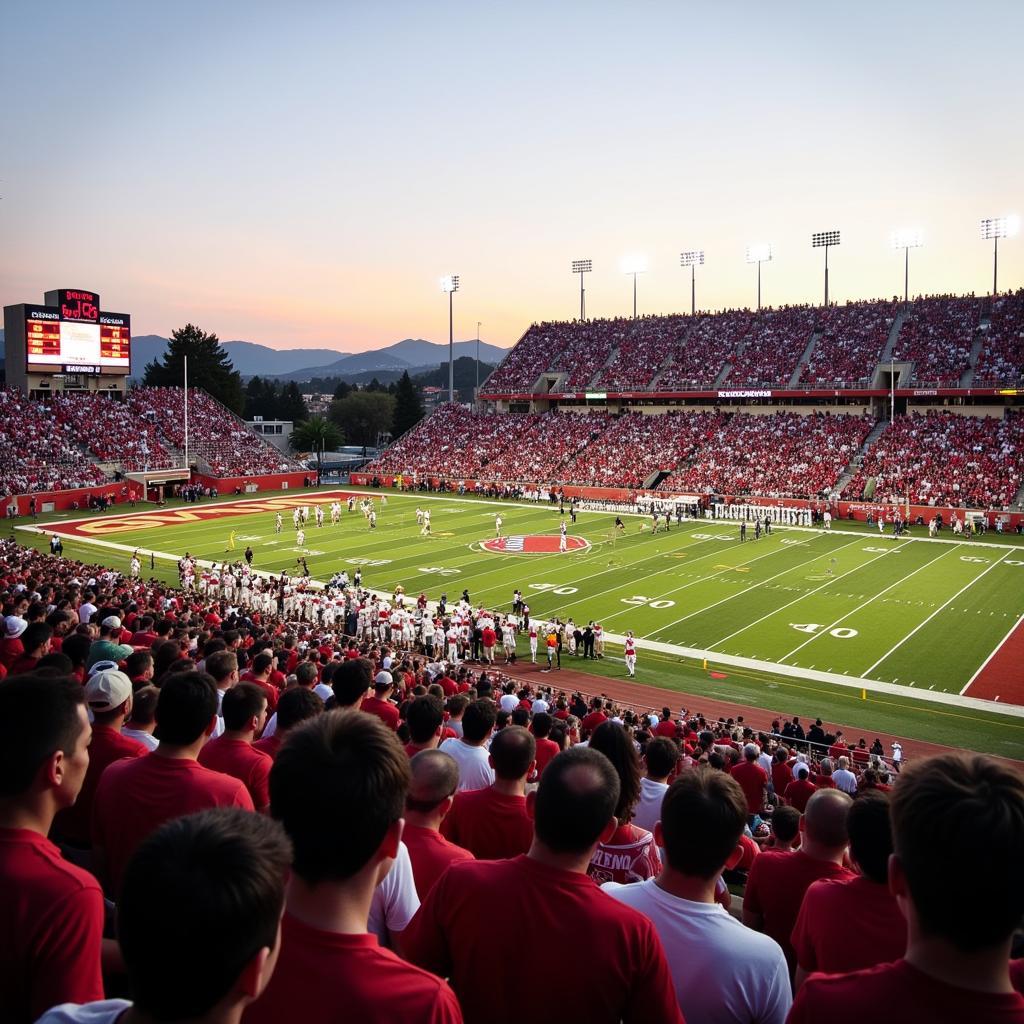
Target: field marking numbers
554, 588
864, 604
368, 561
440, 570
842, 633
639, 600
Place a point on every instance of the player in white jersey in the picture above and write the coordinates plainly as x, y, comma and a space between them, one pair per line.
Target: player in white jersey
630, 653
300, 538
425, 531
419, 516
497, 525
296, 517
305, 514
533, 643
372, 518
452, 636
278, 522
319, 515
828, 520
563, 540
598, 640
508, 640
135, 567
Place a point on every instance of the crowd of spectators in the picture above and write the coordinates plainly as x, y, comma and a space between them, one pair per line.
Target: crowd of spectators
650, 341
849, 343
1001, 360
698, 358
438, 819
772, 347
945, 459
937, 335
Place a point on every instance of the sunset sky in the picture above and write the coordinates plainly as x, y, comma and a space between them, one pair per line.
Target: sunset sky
303, 174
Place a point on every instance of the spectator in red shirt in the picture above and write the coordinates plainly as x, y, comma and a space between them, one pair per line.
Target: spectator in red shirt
379, 704
351, 683
338, 787
136, 796
547, 749
435, 779
782, 773
550, 907
666, 727
36, 643
51, 912
109, 697
785, 829
296, 706
492, 823
138, 667
260, 674
244, 709
801, 789
954, 816
753, 780
778, 881
592, 720
11, 647
425, 718
200, 942
873, 929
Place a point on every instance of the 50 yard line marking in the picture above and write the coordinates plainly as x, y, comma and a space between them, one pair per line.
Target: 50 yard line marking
864, 604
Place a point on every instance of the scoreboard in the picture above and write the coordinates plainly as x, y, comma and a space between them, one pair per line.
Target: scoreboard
71, 334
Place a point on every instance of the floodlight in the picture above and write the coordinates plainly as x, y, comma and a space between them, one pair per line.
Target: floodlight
582, 266
634, 263
1000, 227
759, 253
907, 238
692, 258
450, 283
820, 238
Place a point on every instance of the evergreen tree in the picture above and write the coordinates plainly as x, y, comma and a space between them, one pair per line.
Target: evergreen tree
343, 390
209, 367
317, 434
292, 405
364, 416
408, 407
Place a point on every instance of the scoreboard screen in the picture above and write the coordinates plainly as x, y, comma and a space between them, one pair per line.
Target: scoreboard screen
76, 337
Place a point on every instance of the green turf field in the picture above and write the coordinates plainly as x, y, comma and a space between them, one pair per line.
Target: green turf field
922, 615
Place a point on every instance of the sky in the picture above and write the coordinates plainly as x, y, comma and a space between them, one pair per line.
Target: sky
303, 174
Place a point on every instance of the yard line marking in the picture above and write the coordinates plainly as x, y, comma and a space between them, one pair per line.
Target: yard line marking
995, 651
774, 611
934, 613
864, 604
747, 590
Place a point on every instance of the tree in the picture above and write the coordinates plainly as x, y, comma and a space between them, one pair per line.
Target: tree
317, 434
363, 415
465, 377
292, 405
343, 390
408, 407
209, 367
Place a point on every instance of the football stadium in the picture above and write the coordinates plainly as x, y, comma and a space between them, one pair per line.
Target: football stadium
681, 645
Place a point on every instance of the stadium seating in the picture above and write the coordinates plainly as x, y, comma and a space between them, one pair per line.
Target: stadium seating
850, 343
774, 343
1001, 360
937, 335
945, 459
698, 358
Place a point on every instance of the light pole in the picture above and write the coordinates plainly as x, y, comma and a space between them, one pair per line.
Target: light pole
825, 239
995, 228
477, 355
450, 284
907, 239
582, 267
760, 253
634, 263
692, 258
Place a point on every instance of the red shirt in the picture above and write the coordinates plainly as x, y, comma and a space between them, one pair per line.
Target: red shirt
848, 924
489, 824
488, 637
782, 776
752, 779
666, 727
608, 954
51, 927
325, 977
430, 854
547, 750
269, 689
24, 664
798, 792
592, 721
238, 759
107, 746
776, 887
629, 856
383, 709
136, 796
270, 745
899, 992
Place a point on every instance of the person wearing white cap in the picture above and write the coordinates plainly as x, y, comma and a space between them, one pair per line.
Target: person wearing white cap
107, 647
378, 704
108, 695
11, 647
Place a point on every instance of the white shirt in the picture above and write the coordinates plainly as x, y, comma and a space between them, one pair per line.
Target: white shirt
723, 972
147, 739
509, 702
648, 808
474, 771
86, 611
845, 780
105, 1011
394, 901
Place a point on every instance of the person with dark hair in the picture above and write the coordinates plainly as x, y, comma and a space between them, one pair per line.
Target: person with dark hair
630, 853
244, 709
492, 823
425, 718
36, 643
550, 907
785, 829
470, 749
51, 911
660, 758
547, 749
753, 780
222, 668
874, 931
339, 786
380, 704
723, 973
138, 667
138, 795
435, 778
777, 881
352, 683
202, 943
955, 816
141, 723
296, 705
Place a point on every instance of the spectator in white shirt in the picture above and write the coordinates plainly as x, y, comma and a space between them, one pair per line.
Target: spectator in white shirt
844, 778
141, 723
470, 751
660, 759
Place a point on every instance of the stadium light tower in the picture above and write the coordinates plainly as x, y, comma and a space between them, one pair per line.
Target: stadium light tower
907, 239
478, 325
761, 253
450, 284
995, 228
825, 239
635, 263
582, 267
692, 258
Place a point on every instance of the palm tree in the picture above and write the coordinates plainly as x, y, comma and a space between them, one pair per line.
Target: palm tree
316, 434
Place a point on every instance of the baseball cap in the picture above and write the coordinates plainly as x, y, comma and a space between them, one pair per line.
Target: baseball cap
107, 690
15, 625
102, 666
382, 680
111, 622
801, 771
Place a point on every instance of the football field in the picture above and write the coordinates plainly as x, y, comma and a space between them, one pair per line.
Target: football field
845, 608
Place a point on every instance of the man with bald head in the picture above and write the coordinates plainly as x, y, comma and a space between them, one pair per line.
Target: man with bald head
779, 879
549, 906
435, 778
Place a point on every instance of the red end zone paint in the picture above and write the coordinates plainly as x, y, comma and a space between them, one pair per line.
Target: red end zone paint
534, 544
1003, 675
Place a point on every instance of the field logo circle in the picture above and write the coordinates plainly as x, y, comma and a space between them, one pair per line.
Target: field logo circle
532, 544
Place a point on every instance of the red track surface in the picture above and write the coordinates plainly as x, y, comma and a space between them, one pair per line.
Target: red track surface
1003, 677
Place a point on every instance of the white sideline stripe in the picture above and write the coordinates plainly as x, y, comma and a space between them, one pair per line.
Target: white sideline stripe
995, 651
934, 613
796, 600
864, 604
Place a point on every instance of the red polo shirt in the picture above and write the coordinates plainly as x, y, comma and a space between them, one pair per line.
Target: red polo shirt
240, 760
752, 779
491, 825
547, 751
383, 709
431, 855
